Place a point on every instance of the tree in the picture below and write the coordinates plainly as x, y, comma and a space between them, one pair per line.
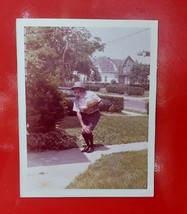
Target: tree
52, 54
60, 51
95, 76
139, 74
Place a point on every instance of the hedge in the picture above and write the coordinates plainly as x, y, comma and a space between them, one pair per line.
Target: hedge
92, 87
134, 90
147, 106
115, 89
88, 86
53, 140
121, 89
117, 103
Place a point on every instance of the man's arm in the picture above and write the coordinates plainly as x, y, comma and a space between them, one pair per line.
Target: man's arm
84, 127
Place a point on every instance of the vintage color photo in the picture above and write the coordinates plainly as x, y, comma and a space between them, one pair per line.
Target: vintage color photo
87, 103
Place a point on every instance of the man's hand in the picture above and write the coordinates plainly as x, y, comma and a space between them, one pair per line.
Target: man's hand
85, 129
84, 108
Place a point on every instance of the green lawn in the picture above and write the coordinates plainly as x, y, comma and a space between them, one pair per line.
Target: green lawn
112, 129
125, 170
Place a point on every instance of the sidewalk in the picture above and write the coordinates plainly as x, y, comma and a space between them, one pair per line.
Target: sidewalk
130, 113
56, 169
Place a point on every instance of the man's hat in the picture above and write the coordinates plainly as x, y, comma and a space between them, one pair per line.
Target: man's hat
78, 85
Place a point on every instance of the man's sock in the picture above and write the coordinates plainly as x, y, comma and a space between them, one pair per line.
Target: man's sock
90, 138
86, 138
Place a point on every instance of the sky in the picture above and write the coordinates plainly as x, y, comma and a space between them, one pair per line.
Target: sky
122, 42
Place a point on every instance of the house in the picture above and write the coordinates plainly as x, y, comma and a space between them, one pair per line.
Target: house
114, 69
117, 69
124, 69
108, 69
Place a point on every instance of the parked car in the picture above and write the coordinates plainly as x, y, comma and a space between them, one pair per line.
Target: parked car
70, 96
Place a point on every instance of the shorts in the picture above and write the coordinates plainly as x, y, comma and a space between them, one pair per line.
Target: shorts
91, 120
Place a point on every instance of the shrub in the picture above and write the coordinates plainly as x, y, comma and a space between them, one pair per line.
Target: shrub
106, 105
92, 87
115, 89
44, 106
113, 82
53, 140
68, 84
104, 84
117, 103
147, 106
134, 90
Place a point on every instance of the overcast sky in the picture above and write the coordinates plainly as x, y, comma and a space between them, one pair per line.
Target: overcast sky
122, 42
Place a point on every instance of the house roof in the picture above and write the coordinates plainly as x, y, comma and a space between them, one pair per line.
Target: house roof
108, 65
128, 58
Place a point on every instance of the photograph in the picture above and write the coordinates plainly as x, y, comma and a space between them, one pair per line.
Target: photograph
87, 107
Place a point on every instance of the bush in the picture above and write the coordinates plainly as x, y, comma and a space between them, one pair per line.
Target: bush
103, 84
92, 87
147, 106
54, 140
134, 90
68, 84
117, 103
113, 82
106, 105
115, 89
44, 106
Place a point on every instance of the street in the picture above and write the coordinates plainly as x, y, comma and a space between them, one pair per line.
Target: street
135, 104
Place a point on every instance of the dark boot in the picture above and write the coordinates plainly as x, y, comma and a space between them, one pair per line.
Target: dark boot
91, 146
86, 148
90, 149
85, 136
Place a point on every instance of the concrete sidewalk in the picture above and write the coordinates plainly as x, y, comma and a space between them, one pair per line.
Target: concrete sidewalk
130, 113
57, 169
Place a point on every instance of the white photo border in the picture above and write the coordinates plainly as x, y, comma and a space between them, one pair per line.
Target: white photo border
99, 23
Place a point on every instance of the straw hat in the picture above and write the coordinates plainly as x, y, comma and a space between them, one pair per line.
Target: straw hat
78, 85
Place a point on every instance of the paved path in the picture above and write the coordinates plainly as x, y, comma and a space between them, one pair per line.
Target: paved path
56, 169
130, 113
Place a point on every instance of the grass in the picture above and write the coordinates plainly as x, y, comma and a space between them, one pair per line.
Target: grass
125, 170
113, 129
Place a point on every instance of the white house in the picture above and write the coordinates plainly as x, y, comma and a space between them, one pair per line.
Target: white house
108, 69
116, 69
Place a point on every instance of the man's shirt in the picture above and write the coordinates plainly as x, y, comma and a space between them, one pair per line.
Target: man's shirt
82, 104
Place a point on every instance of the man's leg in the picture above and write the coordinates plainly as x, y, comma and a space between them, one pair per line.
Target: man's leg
86, 139
91, 146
